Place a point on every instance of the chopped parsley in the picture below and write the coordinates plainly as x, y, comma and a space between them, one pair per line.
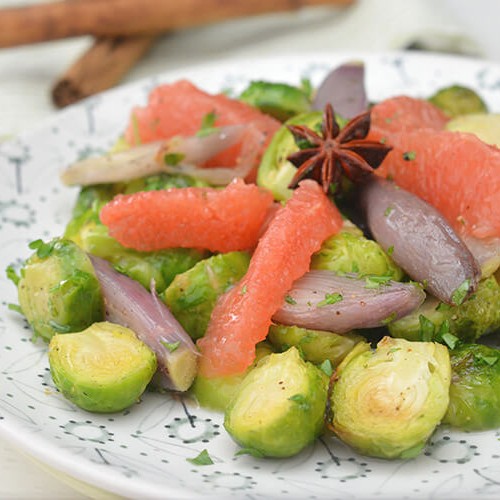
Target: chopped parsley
207, 125
409, 155
12, 275
389, 318
390, 250
327, 367
461, 292
450, 340
173, 159
388, 211
330, 298
171, 346
427, 328
443, 307
301, 400
43, 249
376, 281
489, 360
202, 459
290, 300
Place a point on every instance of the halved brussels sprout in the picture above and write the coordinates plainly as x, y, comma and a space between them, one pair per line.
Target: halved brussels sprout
275, 171
217, 392
349, 251
477, 316
458, 100
192, 294
475, 388
486, 126
388, 401
58, 290
279, 407
103, 369
280, 100
315, 346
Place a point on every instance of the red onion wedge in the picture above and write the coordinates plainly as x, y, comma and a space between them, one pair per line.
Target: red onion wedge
179, 155
323, 300
344, 89
129, 304
419, 240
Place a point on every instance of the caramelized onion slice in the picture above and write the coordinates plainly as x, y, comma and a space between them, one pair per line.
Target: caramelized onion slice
323, 300
129, 304
421, 240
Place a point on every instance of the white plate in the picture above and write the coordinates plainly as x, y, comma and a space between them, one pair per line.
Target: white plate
142, 452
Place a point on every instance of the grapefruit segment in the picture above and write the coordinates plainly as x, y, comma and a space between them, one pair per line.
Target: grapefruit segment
179, 108
219, 220
455, 172
403, 114
242, 316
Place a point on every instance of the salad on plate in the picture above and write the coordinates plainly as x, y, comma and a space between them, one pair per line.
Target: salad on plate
297, 258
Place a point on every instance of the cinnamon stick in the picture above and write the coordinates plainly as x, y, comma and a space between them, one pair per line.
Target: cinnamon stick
100, 68
62, 19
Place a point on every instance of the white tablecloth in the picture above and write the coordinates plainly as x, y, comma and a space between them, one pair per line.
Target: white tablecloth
27, 73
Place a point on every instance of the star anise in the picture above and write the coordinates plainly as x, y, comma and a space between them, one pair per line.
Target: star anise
325, 157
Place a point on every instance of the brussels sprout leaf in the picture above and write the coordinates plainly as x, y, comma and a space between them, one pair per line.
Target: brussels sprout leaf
12, 275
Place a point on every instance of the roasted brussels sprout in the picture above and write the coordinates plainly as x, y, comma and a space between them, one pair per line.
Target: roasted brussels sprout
103, 369
486, 126
475, 388
280, 100
387, 402
275, 171
87, 231
349, 251
477, 316
458, 100
192, 294
279, 407
316, 346
217, 392
58, 290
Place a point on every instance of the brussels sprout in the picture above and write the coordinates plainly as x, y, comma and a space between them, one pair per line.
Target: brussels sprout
280, 100
315, 346
162, 266
387, 402
103, 369
192, 294
217, 392
58, 290
279, 407
458, 100
275, 171
349, 251
475, 388
477, 316
483, 125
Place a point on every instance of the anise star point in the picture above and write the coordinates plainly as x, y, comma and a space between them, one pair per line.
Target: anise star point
335, 151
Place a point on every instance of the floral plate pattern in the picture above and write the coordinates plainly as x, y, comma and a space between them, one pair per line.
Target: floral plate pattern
144, 451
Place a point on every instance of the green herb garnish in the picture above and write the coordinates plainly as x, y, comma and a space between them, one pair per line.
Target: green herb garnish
202, 459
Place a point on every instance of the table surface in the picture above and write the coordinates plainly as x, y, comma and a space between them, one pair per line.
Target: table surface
27, 74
